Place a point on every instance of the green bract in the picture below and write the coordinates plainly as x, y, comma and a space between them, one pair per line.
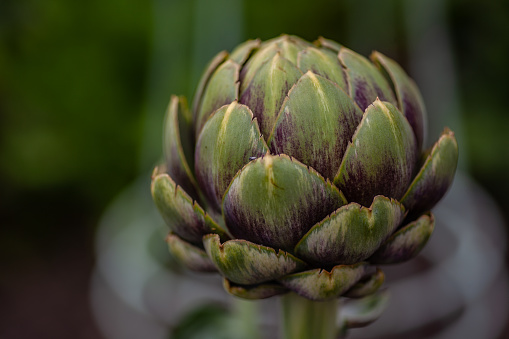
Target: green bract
300, 167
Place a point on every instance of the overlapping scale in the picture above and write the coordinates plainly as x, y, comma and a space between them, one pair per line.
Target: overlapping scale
222, 88
324, 63
190, 256
352, 233
265, 92
178, 144
365, 82
247, 263
406, 243
435, 176
321, 285
409, 97
367, 285
275, 200
253, 292
182, 214
315, 124
227, 142
381, 158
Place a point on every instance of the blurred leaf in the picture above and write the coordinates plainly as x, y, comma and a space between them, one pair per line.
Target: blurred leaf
205, 322
71, 91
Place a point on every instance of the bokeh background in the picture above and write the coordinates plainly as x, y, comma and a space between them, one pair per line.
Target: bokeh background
84, 86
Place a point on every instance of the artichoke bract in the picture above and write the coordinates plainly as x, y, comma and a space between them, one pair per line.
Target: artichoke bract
301, 167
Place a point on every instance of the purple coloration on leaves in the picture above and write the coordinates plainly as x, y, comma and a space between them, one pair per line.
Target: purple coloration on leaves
381, 158
275, 201
362, 97
184, 216
228, 139
274, 124
267, 90
409, 98
315, 124
435, 177
406, 243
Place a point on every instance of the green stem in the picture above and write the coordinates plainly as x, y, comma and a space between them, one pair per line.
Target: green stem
306, 319
246, 319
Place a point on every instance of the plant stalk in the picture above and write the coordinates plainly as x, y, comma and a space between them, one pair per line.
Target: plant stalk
306, 319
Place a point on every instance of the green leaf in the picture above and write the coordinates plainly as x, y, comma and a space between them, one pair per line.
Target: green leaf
352, 233
190, 256
367, 285
209, 320
210, 69
285, 45
329, 44
406, 243
180, 212
315, 124
247, 263
362, 312
365, 81
261, 56
288, 46
275, 200
178, 144
381, 158
253, 292
222, 89
269, 86
244, 50
229, 138
321, 285
410, 101
435, 176
322, 62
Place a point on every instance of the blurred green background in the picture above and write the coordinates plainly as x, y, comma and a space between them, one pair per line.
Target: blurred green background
84, 86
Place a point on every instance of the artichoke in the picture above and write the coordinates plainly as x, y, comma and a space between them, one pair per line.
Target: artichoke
301, 168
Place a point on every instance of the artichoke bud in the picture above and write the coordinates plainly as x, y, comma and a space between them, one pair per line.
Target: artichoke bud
299, 168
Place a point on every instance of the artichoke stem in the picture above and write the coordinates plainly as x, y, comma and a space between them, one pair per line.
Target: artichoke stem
306, 319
